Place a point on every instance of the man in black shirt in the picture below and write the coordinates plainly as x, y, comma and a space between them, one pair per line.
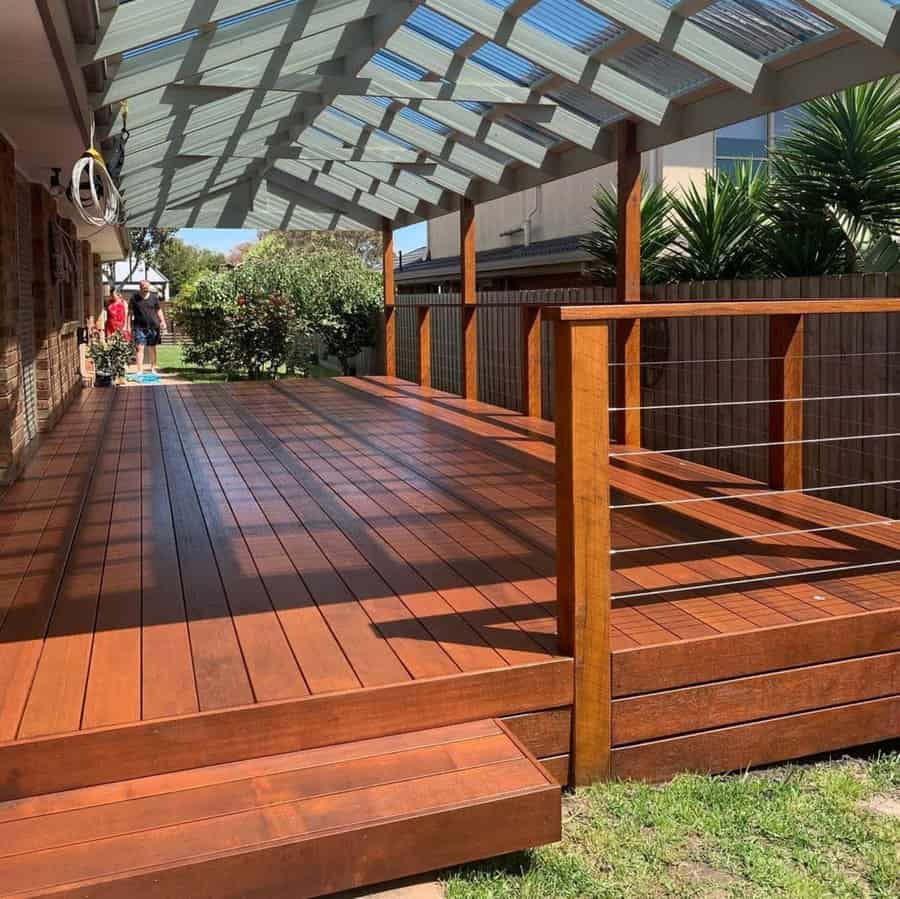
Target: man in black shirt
147, 323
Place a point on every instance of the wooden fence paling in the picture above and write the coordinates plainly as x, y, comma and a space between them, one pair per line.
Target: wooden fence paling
583, 536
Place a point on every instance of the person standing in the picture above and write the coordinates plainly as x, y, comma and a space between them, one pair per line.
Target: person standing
116, 315
147, 324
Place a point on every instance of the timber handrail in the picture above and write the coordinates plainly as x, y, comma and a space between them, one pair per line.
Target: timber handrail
715, 308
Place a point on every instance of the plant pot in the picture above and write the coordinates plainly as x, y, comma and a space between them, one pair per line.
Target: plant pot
101, 379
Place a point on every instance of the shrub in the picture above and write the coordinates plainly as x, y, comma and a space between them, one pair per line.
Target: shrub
112, 356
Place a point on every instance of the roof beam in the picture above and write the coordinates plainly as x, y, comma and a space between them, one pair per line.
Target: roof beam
674, 32
143, 22
508, 31
313, 34
445, 64
388, 85
872, 20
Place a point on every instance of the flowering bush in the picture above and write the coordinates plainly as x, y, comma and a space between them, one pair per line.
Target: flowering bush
261, 319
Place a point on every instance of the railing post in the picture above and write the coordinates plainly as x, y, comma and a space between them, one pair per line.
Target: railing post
786, 408
424, 313
628, 288
531, 362
468, 298
390, 316
583, 536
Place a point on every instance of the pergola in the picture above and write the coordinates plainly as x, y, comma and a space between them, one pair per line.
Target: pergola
312, 114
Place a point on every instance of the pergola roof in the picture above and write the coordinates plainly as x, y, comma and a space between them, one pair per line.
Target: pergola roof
344, 113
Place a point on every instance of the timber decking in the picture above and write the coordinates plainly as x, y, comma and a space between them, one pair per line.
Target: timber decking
361, 557
296, 825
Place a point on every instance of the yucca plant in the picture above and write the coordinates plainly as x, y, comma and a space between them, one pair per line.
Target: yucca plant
842, 162
657, 234
719, 225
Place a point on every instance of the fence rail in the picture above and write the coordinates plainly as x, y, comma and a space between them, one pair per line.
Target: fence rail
707, 375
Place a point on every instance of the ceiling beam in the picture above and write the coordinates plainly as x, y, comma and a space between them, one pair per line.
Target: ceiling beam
508, 31
872, 20
311, 34
671, 31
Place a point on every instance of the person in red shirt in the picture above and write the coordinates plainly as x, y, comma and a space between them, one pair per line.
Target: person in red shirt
116, 315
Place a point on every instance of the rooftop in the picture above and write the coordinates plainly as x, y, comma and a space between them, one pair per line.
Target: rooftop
348, 113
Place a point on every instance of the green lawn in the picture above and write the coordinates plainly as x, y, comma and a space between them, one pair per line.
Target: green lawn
805, 831
171, 362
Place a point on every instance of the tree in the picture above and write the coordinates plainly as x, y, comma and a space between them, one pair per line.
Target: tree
365, 244
181, 263
657, 235
841, 163
719, 225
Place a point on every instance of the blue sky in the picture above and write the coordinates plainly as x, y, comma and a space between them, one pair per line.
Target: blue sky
224, 239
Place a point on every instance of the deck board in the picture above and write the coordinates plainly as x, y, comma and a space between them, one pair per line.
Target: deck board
246, 544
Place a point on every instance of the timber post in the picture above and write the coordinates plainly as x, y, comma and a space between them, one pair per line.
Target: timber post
468, 298
786, 406
628, 288
583, 536
390, 314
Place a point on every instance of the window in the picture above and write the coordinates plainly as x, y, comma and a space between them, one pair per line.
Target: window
751, 141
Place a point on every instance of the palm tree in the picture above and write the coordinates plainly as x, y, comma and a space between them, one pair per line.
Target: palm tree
719, 224
657, 234
841, 164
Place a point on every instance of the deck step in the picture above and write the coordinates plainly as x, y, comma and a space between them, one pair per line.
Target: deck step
298, 825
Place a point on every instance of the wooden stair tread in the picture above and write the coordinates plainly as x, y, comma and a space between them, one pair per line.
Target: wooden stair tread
222, 826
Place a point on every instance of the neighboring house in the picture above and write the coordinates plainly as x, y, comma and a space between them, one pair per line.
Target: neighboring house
532, 240
129, 273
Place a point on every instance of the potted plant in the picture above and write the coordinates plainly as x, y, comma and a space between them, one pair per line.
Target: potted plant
111, 359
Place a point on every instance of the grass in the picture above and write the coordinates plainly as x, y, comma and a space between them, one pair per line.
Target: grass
171, 362
805, 831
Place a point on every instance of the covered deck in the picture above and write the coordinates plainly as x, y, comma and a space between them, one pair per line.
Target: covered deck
200, 575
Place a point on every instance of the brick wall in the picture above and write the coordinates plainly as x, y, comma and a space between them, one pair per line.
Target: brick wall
32, 298
9, 302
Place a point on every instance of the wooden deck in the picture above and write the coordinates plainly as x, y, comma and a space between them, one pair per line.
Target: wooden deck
202, 574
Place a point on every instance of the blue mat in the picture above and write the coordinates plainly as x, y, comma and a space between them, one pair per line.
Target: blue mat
145, 379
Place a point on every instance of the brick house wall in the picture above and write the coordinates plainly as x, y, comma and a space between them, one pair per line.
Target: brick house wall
38, 314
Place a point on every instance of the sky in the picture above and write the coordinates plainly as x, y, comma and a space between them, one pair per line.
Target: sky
224, 239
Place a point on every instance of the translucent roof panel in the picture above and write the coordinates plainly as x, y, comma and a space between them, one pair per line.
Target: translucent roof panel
570, 22
762, 28
660, 71
437, 28
508, 64
399, 65
586, 104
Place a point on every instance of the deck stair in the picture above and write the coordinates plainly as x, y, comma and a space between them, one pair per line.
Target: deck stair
297, 825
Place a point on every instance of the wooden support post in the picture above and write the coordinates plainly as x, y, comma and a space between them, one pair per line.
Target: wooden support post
390, 317
583, 536
424, 345
469, 297
531, 362
786, 418
628, 288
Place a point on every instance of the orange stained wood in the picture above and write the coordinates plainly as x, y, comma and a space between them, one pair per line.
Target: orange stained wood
715, 308
216, 547
423, 314
297, 824
532, 366
583, 535
468, 297
628, 287
786, 393
390, 320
